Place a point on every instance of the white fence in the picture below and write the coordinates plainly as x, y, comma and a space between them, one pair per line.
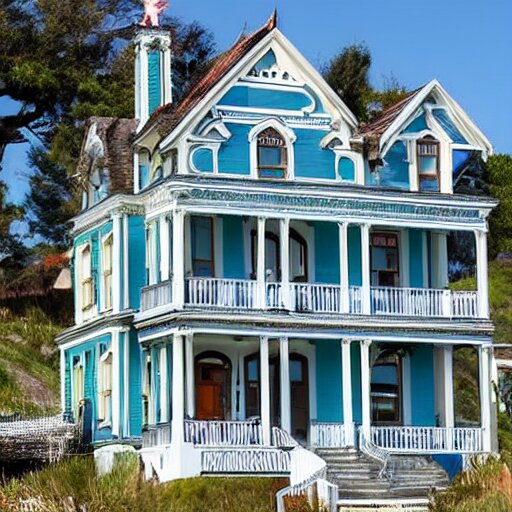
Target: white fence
428, 439
223, 433
246, 460
317, 298
332, 435
225, 293
410, 301
156, 295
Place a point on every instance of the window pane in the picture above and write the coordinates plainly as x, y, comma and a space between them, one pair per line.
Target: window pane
272, 173
429, 185
202, 268
296, 371
252, 368
269, 156
271, 262
385, 374
427, 165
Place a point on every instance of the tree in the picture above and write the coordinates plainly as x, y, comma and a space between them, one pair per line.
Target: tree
50, 200
499, 178
10, 244
348, 74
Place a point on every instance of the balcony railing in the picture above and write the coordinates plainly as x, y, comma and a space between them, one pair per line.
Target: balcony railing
428, 439
315, 298
156, 295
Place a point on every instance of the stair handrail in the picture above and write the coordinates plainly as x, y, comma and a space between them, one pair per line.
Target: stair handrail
369, 448
305, 459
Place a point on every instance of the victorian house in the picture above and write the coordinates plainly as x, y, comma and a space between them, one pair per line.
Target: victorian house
259, 276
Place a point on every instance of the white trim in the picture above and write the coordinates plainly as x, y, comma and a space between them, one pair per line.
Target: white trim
126, 370
190, 401
63, 379
365, 387
116, 262
289, 138
265, 391
91, 336
126, 263
164, 397
284, 382
116, 381
406, 390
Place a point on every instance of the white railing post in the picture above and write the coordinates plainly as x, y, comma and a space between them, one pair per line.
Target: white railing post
365, 269
265, 391
260, 264
482, 274
365, 387
189, 375
284, 227
347, 390
344, 271
178, 256
485, 396
285, 385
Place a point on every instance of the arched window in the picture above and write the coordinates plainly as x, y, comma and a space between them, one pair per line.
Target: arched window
428, 164
272, 155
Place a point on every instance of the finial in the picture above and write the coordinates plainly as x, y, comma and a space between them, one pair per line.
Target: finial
272, 22
153, 9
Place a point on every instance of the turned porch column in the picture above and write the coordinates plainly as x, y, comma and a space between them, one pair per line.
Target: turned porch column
265, 391
482, 274
347, 391
284, 228
178, 402
178, 257
190, 376
344, 273
485, 396
260, 264
365, 269
366, 388
284, 360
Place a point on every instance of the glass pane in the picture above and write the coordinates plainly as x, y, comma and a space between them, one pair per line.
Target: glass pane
271, 173
379, 258
296, 371
271, 263
297, 257
202, 268
252, 368
429, 185
202, 238
269, 156
385, 374
427, 165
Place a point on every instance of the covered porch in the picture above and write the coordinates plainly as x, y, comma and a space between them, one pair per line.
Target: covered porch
219, 390
333, 266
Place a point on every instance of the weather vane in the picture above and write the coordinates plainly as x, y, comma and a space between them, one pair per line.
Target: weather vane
153, 9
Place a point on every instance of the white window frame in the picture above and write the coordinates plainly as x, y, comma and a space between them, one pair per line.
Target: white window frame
77, 385
105, 384
288, 136
106, 272
85, 279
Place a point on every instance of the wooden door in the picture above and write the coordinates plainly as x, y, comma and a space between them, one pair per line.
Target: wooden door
299, 390
212, 389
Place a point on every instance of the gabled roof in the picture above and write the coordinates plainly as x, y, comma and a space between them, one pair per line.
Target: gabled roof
386, 127
384, 120
167, 117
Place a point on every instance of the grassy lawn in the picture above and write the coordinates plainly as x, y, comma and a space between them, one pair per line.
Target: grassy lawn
74, 480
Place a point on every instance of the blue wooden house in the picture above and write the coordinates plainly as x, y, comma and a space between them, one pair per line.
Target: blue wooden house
255, 270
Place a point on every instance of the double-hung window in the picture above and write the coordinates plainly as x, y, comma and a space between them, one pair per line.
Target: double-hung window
384, 259
272, 155
107, 273
428, 164
201, 229
86, 284
105, 398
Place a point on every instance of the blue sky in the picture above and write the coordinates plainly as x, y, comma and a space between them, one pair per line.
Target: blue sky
466, 45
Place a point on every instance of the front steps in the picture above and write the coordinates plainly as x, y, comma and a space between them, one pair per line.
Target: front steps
408, 477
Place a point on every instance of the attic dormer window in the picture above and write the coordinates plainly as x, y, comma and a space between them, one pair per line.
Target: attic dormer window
272, 155
428, 164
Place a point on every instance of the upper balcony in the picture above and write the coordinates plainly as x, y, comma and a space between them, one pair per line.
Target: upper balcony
228, 262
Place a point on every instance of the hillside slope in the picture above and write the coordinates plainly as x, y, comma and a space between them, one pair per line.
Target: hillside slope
29, 375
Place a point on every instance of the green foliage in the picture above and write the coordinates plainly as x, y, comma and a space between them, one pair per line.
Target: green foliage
124, 490
466, 386
478, 490
348, 74
28, 363
498, 176
50, 200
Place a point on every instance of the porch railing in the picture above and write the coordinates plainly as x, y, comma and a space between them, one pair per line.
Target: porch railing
223, 433
465, 304
316, 298
156, 295
225, 293
428, 439
156, 435
423, 302
331, 435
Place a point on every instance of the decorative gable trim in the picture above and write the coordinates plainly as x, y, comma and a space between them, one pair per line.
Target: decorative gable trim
464, 123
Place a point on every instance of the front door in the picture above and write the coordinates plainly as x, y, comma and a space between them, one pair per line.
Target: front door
213, 387
299, 391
